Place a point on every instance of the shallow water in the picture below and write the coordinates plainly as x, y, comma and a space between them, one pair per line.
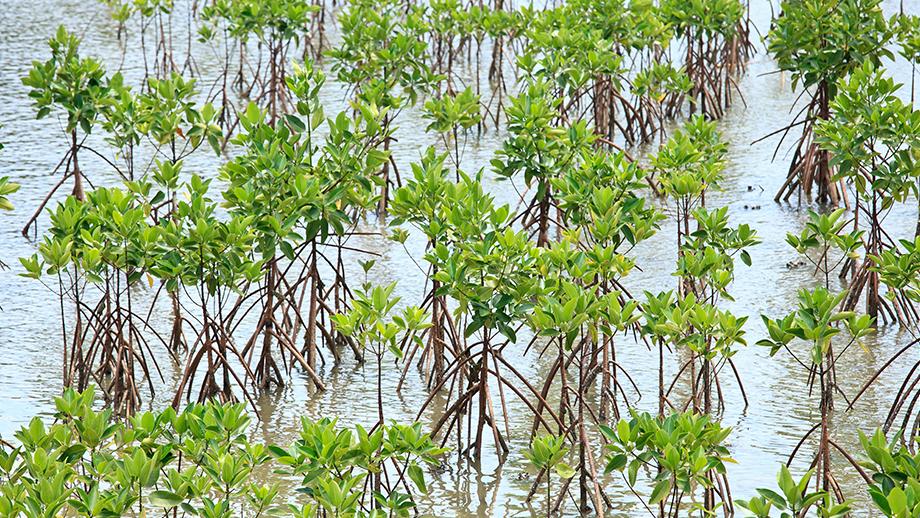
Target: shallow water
765, 431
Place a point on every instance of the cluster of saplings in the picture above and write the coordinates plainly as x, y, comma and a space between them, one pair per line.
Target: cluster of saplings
259, 282
200, 462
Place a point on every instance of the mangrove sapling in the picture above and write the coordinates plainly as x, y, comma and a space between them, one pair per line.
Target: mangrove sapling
276, 28
341, 170
370, 323
583, 305
684, 454
540, 151
383, 59
105, 243
717, 46
450, 114
817, 321
208, 259
271, 185
871, 139
824, 234
218, 19
571, 316
794, 499
607, 218
707, 259
430, 202
347, 165
819, 43
337, 466
638, 39
119, 250
546, 453
709, 334
580, 47
77, 88
472, 24
656, 88
167, 116
120, 11
501, 26
689, 164
55, 259
491, 275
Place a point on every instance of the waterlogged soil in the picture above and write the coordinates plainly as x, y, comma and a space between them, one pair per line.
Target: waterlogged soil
779, 410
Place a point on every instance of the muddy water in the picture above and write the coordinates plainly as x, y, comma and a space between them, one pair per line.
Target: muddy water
765, 431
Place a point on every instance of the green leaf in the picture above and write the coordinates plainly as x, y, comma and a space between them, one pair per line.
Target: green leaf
564, 470
660, 491
164, 499
418, 477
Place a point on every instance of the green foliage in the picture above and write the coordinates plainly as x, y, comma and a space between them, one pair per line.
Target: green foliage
600, 200
661, 80
566, 309
333, 463
688, 450
536, 147
895, 473
707, 254
68, 83
822, 234
567, 55
371, 324
448, 112
684, 322
274, 183
167, 115
793, 500
381, 54
452, 113
907, 32
199, 462
871, 136
820, 41
492, 276
899, 268
428, 199
691, 161
202, 251
546, 453
709, 17
6, 188
815, 321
